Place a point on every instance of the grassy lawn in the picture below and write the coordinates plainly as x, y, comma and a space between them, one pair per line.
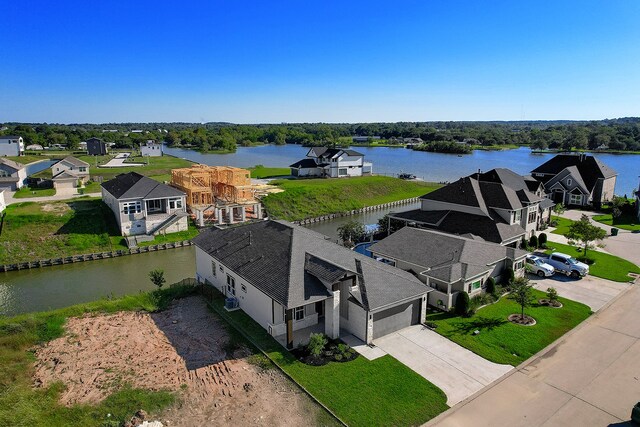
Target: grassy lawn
501, 341
44, 230
563, 225
260, 171
606, 266
305, 198
26, 159
174, 237
626, 221
21, 404
381, 392
26, 192
91, 187
158, 166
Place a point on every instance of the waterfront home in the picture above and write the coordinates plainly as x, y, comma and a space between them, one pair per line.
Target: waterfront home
448, 264
144, 206
294, 282
11, 145
481, 206
151, 149
577, 180
96, 147
331, 163
12, 174
364, 138
68, 174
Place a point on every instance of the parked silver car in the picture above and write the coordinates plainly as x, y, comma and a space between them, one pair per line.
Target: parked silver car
568, 265
537, 265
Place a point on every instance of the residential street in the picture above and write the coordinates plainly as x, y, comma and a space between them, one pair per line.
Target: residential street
590, 377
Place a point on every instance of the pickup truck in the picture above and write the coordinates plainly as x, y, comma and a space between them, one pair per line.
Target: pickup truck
568, 265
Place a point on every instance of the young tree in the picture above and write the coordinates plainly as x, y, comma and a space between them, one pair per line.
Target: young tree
559, 209
157, 277
542, 240
521, 293
351, 232
462, 304
585, 232
491, 286
552, 295
616, 206
533, 242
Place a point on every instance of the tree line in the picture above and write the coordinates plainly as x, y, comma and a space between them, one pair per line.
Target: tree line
617, 134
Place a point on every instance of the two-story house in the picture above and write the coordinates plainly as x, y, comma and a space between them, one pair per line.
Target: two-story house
11, 145
479, 208
96, 147
151, 149
577, 180
12, 174
332, 163
144, 206
69, 173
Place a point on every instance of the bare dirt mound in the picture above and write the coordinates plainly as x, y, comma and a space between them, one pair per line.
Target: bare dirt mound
181, 349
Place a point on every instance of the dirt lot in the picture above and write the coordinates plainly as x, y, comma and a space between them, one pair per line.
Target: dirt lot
183, 349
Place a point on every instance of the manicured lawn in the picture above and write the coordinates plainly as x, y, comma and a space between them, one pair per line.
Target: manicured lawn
27, 192
26, 159
606, 266
501, 341
260, 171
157, 166
21, 404
91, 187
563, 225
174, 237
305, 198
43, 230
381, 392
625, 221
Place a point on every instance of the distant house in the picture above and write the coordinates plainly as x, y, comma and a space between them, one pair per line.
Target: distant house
144, 206
96, 147
151, 149
497, 206
11, 145
294, 282
364, 138
3, 204
69, 173
12, 174
448, 264
332, 163
577, 180
34, 147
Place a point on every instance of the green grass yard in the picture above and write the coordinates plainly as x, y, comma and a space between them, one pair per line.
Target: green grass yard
563, 225
158, 166
305, 198
626, 221
260, 171
28, 192
605, 266
22, 404
381, 392
26, 159
501, 341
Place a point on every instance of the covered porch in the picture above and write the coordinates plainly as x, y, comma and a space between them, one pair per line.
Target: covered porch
301, 336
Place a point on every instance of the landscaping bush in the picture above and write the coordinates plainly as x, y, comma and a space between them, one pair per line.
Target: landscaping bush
316, 344
552, 295
523, 244
462, 304
533, 242
542, 240
491, 286
509, 276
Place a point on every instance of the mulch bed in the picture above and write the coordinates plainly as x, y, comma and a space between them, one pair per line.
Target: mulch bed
526, 321
555, 304
333, 352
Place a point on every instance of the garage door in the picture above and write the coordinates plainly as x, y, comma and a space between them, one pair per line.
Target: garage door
396, 318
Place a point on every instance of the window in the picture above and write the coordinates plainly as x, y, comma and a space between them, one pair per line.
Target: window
154, 205
83, 169
131, 207
569, 181
221, 268
4, 173
244, 288
475, 286
342, 171
213, 268
575, 199
298, 313
231, 286
517, 216
175, 203
532, 217
518, 265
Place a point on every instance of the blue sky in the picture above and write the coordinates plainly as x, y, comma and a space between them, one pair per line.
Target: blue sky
319, 61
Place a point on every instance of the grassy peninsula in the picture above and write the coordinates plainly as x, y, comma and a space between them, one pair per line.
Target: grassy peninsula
307, 198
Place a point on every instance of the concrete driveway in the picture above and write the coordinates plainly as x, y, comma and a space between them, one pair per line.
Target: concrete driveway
592, 291
590, 377
457, 371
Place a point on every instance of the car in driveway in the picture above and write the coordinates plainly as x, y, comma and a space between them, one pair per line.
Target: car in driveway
538, 266
568, 265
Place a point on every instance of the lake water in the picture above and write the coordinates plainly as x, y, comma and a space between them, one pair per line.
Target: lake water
33, 168
436, 167
61, 286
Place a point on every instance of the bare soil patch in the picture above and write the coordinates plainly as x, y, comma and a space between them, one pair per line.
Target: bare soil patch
181, 349
59, 208
524, 321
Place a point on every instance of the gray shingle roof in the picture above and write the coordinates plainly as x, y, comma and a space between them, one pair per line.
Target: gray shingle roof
9, 137
74, 161
590, 168
465, 191
447, 257
13, 165
132, 185
304, 163
288, 263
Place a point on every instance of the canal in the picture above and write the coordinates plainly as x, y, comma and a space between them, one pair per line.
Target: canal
61, 286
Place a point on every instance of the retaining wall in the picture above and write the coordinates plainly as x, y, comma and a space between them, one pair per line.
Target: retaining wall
356, 211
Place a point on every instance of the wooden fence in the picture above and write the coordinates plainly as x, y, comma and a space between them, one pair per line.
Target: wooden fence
92, 257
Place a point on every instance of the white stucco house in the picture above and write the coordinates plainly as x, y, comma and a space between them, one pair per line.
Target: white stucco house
294, 282
142, 205
69, 174
151, 149
11, 145
331, 163
12, 174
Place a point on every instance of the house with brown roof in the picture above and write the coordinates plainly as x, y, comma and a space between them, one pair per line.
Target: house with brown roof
577, 180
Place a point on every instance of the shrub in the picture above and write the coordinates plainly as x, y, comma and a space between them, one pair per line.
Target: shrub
533, 242
523, 243
491, 286
542, 240
509, 275
316, 345
462, 304
552, 295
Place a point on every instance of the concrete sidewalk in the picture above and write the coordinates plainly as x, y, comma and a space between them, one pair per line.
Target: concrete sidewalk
9, 199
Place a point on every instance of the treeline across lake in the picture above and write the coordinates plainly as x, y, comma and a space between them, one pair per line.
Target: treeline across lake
616, 134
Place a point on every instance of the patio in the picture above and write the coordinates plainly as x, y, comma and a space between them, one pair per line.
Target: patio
301, 336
